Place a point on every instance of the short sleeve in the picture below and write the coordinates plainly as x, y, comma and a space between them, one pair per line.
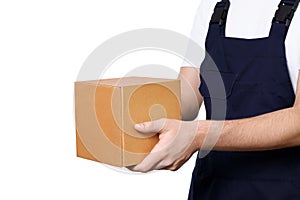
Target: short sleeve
195, 51
292, 44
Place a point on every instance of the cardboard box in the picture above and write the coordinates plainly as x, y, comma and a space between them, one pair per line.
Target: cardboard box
106, 111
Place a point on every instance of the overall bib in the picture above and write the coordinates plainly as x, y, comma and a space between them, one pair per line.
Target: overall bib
256, 81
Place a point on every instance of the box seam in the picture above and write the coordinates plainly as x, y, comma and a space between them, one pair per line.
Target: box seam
122, 126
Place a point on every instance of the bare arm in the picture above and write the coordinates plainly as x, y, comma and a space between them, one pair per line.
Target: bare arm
274, 130
180, 139
191, 99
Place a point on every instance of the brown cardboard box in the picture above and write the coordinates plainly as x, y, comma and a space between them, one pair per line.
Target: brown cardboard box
106, 111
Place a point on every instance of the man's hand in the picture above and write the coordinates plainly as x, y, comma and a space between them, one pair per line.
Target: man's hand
178, 140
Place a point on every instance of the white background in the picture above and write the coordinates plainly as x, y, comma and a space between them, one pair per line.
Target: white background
42, 47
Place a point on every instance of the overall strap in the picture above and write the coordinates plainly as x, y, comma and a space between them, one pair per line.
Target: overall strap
285, 12
220, 12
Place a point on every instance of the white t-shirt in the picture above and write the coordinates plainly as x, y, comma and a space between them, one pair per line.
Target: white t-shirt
250, 19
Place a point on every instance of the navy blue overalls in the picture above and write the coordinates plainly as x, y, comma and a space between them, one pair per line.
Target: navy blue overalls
256, 81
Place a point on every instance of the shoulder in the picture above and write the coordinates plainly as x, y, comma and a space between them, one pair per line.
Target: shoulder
296, 20
293, 41
206, 8
294, 30
202, 17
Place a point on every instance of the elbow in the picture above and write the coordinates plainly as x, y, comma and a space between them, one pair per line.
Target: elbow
297, 124
190, 109
296, 110
189, 117
190, 113
295, 127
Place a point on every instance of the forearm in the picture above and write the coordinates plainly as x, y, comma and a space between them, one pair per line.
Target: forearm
190, 96
274, 130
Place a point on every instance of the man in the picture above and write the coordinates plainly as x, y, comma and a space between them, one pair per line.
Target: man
257, 153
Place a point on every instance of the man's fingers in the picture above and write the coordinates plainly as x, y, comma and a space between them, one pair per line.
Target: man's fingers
151, 160
151, 127
147, 164
175, 166
155, 160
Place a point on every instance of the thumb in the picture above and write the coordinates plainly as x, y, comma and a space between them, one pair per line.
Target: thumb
150, 127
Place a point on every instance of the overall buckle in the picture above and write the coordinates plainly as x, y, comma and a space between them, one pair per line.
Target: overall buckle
220, 13
285, 13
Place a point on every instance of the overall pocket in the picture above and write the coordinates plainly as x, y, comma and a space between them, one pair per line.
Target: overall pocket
215, 84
